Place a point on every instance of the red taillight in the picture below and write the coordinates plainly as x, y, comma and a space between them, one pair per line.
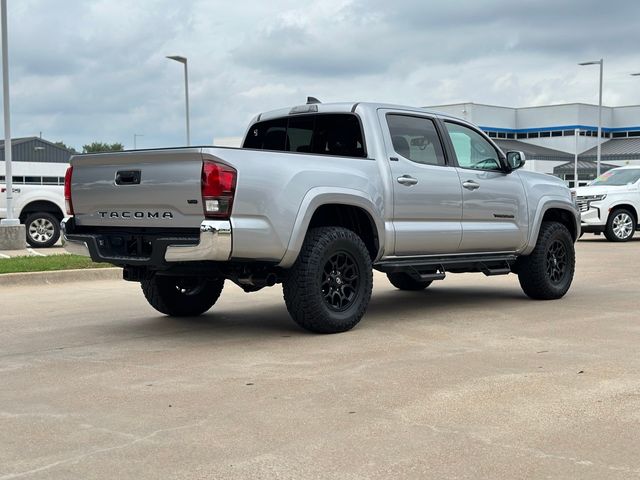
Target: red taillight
218, 189
67, 191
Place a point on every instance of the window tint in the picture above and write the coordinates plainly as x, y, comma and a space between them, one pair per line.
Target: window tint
618, 177
416, 139
326, 134
472, 149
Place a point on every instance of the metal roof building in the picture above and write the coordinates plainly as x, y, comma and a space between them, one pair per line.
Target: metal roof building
547, 134
35, 161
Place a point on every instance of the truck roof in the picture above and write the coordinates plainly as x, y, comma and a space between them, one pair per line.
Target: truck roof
344, 107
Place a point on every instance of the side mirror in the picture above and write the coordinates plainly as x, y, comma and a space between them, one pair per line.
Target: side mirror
515, 160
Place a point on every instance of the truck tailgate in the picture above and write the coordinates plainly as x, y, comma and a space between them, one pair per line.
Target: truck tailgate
154, 188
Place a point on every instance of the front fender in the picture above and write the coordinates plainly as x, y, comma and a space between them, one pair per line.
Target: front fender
545, 204
318, 196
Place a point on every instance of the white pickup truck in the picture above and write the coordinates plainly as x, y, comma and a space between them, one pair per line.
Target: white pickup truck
611, 203
40, 208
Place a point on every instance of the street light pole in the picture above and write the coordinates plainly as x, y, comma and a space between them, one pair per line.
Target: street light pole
10, 220
135, 140
183, 60
575, 161
601, 63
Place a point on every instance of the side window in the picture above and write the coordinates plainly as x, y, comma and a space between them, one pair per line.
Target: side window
472, 149
416, 139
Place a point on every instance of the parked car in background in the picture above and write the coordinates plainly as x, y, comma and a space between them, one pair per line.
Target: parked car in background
39, 204
610, 204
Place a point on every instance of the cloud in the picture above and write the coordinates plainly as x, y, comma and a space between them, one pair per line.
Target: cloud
84, 70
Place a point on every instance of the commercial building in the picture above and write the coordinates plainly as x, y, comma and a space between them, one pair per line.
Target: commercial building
547, 135
36, 161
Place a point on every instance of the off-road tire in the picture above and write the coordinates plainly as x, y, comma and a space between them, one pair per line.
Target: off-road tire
43, 229
609, 231
181, 296
404, 281
536, 271
305, 287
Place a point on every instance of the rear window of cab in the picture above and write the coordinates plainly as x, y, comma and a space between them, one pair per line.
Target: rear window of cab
338, 134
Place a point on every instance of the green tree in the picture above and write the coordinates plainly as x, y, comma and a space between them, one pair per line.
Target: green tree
97, 147
64, 145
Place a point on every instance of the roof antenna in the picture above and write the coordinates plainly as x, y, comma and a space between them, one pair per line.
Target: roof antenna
311, 100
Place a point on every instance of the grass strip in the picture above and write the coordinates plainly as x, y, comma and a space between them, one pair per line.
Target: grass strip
47, 264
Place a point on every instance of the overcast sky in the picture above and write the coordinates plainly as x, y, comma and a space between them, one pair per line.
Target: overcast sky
85, 70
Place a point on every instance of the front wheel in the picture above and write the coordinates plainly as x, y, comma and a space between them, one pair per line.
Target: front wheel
621, 226
181, 296
547, 273
328, 288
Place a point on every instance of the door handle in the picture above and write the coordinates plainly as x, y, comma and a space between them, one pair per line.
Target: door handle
128, 177
470, 185
407, 180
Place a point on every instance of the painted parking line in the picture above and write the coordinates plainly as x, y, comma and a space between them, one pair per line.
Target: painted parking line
2, 255
31, 250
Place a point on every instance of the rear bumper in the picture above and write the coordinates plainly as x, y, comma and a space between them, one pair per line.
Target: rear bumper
214, 243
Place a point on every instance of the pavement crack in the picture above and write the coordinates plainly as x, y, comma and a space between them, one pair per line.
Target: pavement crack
79, 458
537, 453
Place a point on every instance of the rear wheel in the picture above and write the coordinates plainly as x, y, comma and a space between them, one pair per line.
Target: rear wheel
328, 288
404, 281
547, 273
181, 296
43, 229
621, 226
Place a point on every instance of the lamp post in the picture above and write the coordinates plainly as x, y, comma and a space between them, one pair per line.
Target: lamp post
601, 63
135, 140
10, 220
575, 161
183, 60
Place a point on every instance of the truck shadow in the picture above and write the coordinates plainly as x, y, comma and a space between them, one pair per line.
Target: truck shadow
437, 305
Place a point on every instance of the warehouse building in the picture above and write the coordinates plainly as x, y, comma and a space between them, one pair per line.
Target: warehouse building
36, 161
547, 135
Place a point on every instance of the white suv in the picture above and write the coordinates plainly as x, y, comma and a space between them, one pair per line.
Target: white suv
611, 203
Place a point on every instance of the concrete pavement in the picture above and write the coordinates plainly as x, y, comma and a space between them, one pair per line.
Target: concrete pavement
468, 379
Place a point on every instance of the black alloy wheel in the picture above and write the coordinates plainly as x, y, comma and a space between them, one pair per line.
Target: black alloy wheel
340, 280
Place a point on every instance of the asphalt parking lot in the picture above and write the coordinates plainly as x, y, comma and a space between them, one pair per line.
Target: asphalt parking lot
468, 379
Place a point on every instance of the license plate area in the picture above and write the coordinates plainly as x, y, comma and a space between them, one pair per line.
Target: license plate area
125, 245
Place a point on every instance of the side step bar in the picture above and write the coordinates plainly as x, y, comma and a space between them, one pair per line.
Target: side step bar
434, 268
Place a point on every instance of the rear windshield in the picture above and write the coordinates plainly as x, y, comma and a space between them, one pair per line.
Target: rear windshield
325, 134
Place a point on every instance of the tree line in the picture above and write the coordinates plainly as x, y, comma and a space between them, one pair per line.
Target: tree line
95, 147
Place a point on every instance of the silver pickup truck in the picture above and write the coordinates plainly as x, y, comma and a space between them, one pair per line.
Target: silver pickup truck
318, 196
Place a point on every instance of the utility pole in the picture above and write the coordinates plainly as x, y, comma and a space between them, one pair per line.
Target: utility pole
135, 140
7, 119
12, 234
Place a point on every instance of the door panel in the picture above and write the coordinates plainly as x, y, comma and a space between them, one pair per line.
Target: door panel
495, 216
427, 193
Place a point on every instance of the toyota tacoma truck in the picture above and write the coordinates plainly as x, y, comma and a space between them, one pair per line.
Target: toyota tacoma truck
611, 203
318, 196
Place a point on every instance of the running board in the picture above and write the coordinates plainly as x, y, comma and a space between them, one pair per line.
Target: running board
434, 268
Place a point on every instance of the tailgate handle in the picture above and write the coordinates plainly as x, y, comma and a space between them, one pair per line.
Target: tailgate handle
128, 177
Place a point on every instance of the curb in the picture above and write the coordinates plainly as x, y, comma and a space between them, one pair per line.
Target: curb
59, 276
